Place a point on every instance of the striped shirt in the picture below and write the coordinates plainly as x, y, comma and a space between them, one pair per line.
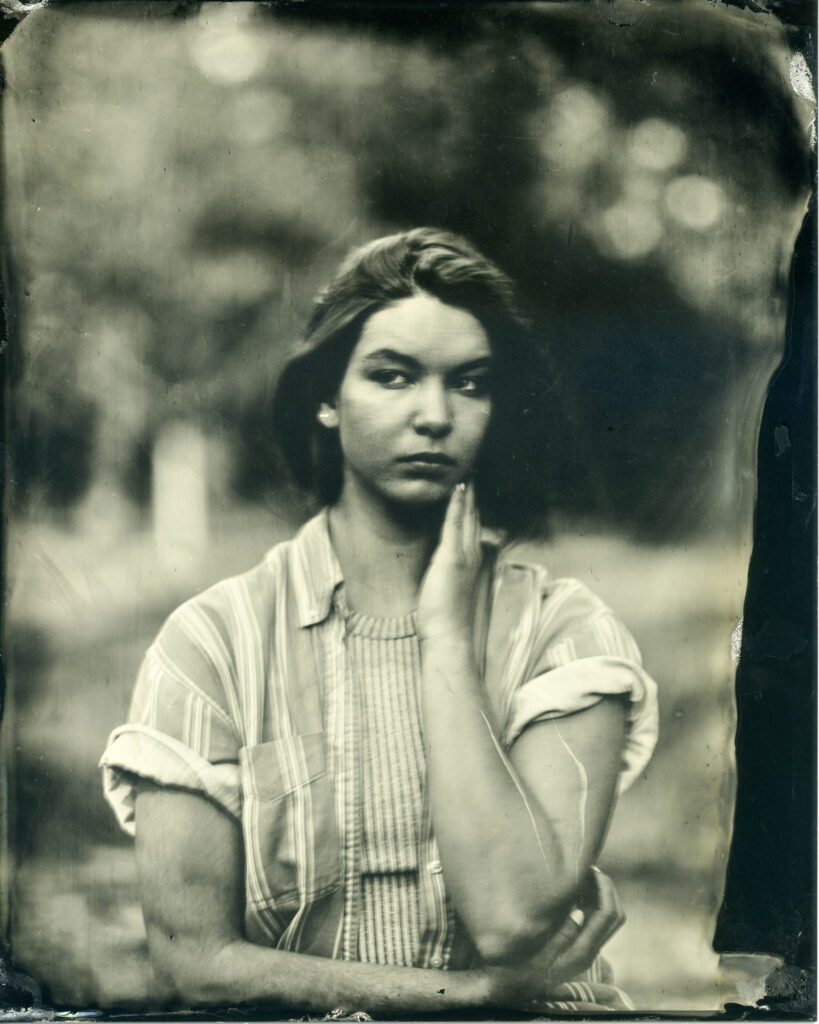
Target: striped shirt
248, 696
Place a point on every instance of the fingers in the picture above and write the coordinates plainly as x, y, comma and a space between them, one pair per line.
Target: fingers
603, 916
561, 943
471, 532
586, 998
461, 529
453, 519
604, 901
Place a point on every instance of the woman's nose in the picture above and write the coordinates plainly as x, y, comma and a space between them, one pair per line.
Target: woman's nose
433, 415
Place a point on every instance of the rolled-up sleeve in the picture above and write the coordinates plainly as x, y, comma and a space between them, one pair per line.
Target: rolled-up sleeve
180, 732
582, 654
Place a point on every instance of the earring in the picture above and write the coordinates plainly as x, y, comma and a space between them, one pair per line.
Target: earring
327, 415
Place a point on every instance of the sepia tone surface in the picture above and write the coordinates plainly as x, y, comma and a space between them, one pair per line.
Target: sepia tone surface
178, 185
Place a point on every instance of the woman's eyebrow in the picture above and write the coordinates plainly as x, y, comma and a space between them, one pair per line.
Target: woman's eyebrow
380, 354
390, 354
481, 363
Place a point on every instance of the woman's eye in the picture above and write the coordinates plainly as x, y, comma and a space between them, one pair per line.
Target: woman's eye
390, 378
472, 385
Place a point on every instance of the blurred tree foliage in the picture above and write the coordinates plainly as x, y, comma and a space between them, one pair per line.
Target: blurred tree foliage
181, 179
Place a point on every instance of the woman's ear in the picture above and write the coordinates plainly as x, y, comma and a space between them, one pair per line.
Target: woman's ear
327, 415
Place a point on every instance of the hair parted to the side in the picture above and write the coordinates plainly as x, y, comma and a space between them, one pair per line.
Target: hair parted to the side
510, 480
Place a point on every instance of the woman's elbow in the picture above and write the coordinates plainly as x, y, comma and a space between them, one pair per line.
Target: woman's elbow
188, 970
498, 948
508, 944
518, 935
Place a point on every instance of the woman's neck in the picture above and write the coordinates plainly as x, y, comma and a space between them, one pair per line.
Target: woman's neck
383, 552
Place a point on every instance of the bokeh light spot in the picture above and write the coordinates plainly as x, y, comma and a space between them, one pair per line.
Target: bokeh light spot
656, 144
223, 49
632, 229
695, 201
576, 129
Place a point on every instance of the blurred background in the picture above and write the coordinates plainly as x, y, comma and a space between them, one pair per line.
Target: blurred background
179, 181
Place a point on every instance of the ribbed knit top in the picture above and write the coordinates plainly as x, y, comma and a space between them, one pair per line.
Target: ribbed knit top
384, 658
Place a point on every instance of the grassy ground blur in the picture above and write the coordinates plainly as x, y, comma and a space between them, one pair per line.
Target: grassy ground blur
82, 611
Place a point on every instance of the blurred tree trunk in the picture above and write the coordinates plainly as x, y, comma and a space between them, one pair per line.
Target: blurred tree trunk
180, 495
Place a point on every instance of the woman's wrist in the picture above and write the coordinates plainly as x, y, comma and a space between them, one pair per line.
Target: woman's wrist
471, 990
448, 662
448, 668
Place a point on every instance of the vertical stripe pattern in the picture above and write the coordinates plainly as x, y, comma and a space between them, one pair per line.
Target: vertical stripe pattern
384, 665
303, 721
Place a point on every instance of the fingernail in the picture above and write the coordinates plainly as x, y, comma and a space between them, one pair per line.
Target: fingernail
462, 486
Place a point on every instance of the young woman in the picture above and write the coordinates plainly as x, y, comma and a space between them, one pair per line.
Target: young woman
375, 771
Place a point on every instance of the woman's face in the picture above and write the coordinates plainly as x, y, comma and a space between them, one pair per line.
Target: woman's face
414, 404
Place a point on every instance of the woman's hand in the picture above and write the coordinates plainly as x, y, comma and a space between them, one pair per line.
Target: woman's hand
566, 955
518, 828
447, 597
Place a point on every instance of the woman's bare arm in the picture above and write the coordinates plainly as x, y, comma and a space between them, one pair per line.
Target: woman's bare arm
190, 866
517, 834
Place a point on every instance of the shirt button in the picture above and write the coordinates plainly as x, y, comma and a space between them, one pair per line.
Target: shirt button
436, 961
435, 867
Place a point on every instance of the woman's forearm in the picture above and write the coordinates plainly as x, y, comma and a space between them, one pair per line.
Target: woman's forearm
503, 860
191, 871
239, 971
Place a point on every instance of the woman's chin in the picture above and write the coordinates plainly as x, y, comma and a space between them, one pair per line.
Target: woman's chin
420, 493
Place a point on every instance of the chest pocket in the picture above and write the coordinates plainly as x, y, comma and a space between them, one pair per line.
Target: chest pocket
291, 840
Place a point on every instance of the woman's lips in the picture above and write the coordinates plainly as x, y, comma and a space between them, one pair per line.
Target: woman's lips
427, 459
427, 465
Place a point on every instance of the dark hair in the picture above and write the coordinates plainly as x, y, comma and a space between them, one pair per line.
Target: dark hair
509, 481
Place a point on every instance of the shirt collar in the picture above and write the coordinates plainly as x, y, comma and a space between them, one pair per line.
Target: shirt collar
315, 571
